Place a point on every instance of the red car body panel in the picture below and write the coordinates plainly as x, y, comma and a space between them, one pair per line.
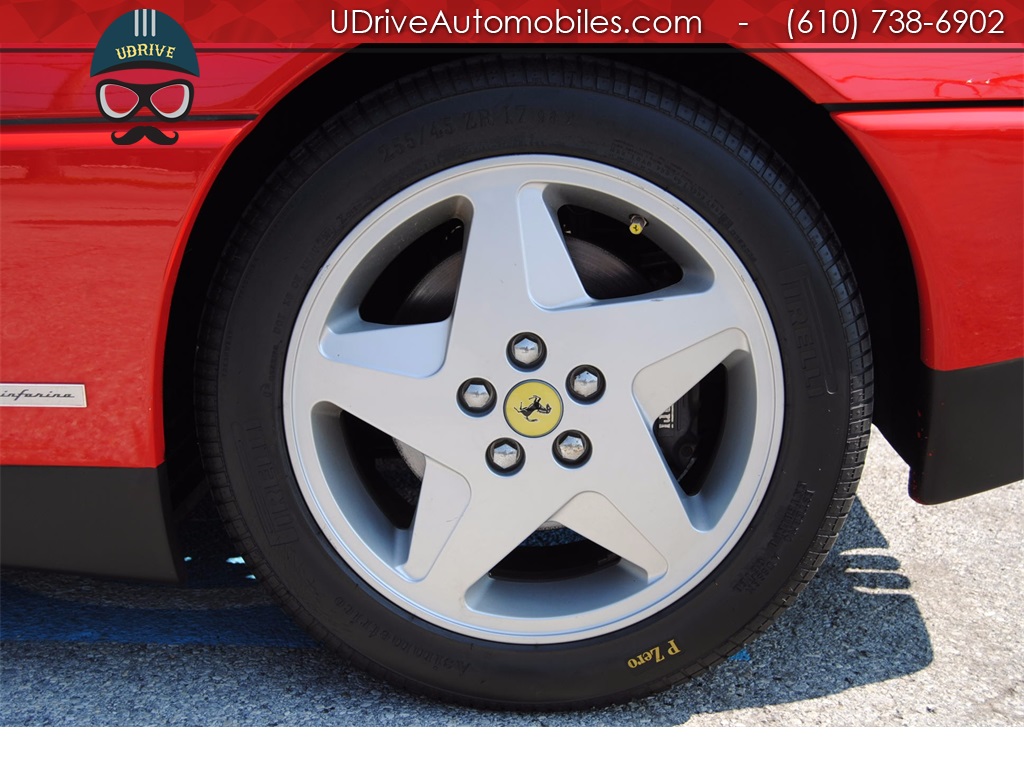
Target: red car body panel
93, 233
956, 180
858, 74
111, 224
57, 85
103, 230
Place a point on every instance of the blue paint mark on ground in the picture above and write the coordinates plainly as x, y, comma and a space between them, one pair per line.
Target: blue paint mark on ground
743, 655
30, 617
219, 604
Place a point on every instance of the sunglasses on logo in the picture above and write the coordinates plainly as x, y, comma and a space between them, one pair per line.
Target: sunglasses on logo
120, 101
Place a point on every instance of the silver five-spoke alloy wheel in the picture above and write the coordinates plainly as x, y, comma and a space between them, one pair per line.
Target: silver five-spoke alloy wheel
407, 381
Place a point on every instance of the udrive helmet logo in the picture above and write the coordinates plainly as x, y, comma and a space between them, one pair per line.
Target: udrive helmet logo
137, 46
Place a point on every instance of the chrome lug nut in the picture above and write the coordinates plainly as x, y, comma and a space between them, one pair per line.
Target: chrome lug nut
526, 351
572, 449
476, 396
505, 456
585, 384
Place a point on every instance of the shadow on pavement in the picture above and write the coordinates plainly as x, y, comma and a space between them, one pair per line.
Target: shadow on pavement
856, 623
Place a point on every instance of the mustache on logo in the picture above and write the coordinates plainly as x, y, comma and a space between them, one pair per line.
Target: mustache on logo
140, 132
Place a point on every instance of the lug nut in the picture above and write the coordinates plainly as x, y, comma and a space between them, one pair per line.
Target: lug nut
585, 384
526, 351
572, 449
476, 396
505, 456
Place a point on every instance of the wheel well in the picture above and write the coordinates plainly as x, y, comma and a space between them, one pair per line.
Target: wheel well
849, 193
802, 132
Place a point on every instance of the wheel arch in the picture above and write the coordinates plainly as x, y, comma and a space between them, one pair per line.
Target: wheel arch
807, 137
277, 130
848, 191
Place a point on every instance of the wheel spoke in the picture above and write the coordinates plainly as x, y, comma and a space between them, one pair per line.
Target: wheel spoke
395, 407
409, 350
516, 260
668, 341
659, 325
551, 277
659, 385
444, 495
593, 516
650, 522
490, 527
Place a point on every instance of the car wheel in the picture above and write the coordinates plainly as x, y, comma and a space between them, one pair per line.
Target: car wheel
534, 382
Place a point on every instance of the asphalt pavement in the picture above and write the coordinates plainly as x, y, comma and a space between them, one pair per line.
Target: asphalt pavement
914, 620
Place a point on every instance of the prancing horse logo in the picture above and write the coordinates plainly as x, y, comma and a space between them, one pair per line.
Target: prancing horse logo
535, 406
532, 408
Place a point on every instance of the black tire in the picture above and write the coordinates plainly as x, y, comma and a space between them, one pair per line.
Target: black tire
571, 107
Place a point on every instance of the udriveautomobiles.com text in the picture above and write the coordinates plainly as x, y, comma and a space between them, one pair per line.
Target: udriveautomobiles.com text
362, 22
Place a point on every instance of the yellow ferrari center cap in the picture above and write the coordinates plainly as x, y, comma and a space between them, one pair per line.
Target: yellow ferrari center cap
533, 408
